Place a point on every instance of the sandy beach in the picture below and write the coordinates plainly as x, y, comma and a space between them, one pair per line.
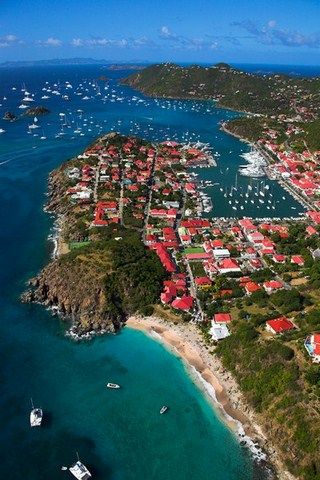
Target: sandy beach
185, 340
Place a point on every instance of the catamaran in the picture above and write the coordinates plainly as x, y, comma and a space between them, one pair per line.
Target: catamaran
36, 416
163, 409
79, 470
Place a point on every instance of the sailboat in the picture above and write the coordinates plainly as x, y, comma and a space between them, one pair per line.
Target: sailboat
36, 416
43, 137
34, 124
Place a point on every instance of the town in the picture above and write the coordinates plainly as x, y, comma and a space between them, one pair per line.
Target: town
218, 270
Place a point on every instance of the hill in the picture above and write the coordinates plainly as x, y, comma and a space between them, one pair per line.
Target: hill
232, 88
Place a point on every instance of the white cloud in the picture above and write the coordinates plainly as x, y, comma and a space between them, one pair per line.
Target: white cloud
52, 42
271, 34
166, 33
77, 42
272, 23
9, 41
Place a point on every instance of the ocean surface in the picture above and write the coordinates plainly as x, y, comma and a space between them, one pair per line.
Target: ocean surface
118, 434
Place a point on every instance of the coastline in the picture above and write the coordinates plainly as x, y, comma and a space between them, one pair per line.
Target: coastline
185, 341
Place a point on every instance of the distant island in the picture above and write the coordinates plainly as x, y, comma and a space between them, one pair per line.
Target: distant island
74, 61
36, 111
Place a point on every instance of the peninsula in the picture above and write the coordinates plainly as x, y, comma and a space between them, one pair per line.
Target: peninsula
132, 241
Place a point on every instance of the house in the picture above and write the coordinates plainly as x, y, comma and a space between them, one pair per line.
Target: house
297, 260
277, 258
255, 263
222, 318
198, 256
203, 282
218, 331
272, 286
164, 257
279, 325
311, 230
255, 237
247, 225
312, 345
221, 253
251, 287
228, 265
184, 303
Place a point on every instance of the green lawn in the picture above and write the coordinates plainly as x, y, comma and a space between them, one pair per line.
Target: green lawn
74, 245
194, 250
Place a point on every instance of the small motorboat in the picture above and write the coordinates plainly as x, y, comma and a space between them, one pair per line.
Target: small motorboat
36, 416
163, 409
112, 385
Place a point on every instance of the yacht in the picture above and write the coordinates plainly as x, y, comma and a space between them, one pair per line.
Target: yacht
112, 385
23, 106
79, 470
36, 416
2, 130
27, 99
163, 409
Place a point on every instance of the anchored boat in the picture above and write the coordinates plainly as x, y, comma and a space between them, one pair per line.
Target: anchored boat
79, 470
112, 385
163, 409
36, 416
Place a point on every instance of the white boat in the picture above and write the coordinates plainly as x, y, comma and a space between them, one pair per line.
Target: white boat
2, 130
23, 106
79, 470
112, 385
163, 409
36, 416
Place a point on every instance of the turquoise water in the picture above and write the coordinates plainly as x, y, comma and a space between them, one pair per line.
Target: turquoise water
118, 434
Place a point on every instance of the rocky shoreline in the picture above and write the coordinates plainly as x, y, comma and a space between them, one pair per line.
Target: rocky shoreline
66, 287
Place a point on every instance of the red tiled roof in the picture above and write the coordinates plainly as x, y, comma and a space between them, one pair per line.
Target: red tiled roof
203, 281
280, 324
252, 287
222, 317
184, 303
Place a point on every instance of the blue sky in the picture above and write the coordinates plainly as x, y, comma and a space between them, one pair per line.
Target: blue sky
239, 31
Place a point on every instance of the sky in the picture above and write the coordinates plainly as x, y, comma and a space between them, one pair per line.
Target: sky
204, 31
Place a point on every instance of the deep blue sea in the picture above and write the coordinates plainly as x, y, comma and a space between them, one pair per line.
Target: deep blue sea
118, 434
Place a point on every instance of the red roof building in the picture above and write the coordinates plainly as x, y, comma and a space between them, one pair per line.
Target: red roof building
203, 281
279, 258
251, 287
228, 265
297, 260
184, 303
279, 325
222, 317
272, 286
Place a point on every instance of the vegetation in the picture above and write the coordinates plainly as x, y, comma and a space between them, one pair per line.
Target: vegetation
276, 385
136, 281
232, 88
